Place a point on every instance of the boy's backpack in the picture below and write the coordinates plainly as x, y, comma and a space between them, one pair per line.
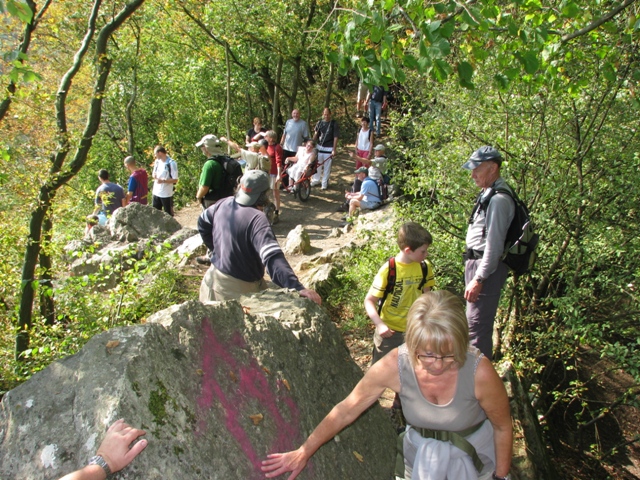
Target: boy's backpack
521, 240
231, 173
391, 280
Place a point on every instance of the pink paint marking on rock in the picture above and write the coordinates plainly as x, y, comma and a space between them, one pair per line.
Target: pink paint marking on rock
239, 402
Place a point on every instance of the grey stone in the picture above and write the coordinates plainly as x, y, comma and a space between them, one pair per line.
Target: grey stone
181, 236
335, 233
337, 255
190, 248
100, 235
136, 221
217, 387
298, 241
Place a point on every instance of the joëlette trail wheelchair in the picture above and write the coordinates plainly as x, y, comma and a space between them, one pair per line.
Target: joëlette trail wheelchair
302, 188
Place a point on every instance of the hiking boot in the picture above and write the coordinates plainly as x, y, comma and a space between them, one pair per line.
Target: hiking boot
203, 260
276, 218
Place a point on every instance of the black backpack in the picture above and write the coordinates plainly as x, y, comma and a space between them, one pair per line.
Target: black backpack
391, 280
231, 173
521, 241
383, 189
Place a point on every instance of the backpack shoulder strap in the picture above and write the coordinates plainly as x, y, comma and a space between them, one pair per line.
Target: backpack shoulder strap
425, 271
391, 283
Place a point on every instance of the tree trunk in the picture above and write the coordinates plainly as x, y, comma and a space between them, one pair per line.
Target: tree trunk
24, 47
327, 96
57, 176
296, 83
45, 287
227, 113
131, 144
275, 114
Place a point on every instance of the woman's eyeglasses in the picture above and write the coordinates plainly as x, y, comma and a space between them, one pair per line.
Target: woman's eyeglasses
430, 359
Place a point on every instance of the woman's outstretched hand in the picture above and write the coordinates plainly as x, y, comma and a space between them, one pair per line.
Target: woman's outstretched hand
278, 463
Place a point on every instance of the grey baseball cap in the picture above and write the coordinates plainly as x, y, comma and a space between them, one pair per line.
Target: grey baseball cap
252, 184
483, 154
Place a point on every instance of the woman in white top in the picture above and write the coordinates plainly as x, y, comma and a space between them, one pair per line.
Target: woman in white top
302, 160
364, 144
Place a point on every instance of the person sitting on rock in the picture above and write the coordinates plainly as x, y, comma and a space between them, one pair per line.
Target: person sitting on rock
109, 195
242, 243
367, 198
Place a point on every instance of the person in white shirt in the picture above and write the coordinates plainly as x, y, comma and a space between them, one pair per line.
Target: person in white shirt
165, 176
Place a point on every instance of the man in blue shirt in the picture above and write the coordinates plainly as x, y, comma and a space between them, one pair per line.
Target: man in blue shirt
368, 197
109, 195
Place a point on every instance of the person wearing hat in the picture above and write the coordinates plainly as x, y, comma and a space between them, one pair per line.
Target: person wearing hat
254, 159
211, 176
165, 176
243, 244
378, 167
368, 197
484, 272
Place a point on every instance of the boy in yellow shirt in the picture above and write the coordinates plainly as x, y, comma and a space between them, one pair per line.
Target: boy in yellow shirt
413, 276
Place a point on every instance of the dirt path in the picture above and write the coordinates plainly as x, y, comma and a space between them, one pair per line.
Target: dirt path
318, 215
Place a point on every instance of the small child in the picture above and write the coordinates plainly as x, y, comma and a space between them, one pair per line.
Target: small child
412, 279
92, 221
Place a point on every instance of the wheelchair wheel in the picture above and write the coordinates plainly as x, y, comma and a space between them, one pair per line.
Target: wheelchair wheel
304, 190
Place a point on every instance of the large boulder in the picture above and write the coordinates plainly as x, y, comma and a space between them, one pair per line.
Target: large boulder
217, 387
136, 221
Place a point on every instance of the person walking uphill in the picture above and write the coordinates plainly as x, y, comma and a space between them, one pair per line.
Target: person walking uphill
165, 176
377, 99
242, 243
209, 186
326, 134
484, 272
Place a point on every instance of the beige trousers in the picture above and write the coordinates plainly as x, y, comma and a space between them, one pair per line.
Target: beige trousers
220, 286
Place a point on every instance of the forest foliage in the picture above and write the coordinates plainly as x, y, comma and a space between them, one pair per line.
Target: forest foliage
553, 85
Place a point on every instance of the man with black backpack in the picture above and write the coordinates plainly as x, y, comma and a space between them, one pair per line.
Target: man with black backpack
484, 271
220, 173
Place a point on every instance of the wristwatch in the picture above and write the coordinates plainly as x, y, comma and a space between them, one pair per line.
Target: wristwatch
479, 280
496, 477
98, 460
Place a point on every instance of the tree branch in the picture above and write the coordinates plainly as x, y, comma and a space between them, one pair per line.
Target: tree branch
596, 23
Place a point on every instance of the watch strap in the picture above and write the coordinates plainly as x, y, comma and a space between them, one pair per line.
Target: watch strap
100, 461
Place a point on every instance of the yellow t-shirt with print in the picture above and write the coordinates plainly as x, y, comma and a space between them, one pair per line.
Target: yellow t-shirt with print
405, 292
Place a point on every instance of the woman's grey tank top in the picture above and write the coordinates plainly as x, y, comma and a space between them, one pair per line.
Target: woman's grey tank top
462, 412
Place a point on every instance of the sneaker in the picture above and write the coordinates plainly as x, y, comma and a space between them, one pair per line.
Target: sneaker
203, 260
323, 188
315, 183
